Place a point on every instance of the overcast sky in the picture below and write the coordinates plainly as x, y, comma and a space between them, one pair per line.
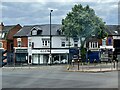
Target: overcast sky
37, 11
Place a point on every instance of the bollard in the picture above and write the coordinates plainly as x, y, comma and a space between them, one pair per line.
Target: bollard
88, 63
111, 65
73, 62
94, 62
78, 64
114, 63
82, 66
117, 64
100, 66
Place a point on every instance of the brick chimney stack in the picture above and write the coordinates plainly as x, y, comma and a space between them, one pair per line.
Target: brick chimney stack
1, 26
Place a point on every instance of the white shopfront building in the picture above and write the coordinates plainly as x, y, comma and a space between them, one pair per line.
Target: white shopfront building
39, 45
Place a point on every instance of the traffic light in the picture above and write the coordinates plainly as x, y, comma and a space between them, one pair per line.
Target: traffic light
4, 57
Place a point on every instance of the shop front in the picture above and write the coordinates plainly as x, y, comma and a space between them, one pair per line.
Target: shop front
43, 56
21, 56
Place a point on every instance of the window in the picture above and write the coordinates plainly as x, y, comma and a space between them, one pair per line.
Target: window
1, 44
96, 44
63, 41
109, 41
39, 32
3, 35
45, 42
30, 44
63, 44
75, 43
103, 42
34, 32
93, 44
19, 43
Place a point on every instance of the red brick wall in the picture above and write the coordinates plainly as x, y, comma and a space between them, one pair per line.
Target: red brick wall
100, 42
13, 31
24, 42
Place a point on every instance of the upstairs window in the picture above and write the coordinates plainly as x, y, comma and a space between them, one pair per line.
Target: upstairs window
103, 42
39, 32
30, 44
34, 32
46, 42
63, 44
75, 43
19, 44
109, 41
3, 35
59, 31
93, 44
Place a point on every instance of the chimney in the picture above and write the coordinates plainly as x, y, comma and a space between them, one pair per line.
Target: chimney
1, 26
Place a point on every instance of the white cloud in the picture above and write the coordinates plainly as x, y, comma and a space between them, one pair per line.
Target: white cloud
32, 13
54, 9
99, 1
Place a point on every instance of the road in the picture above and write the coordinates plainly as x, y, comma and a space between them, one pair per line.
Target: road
57, 77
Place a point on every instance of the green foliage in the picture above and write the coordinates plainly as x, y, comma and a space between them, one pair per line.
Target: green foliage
83, 53
82, 22
102, 34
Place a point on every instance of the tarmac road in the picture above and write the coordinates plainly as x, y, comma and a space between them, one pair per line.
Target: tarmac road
56, 77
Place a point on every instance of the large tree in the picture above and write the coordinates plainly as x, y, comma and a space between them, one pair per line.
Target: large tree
83, 22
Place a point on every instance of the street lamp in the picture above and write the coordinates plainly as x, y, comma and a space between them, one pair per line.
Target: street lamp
50, 37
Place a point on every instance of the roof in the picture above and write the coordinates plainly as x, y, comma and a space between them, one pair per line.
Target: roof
6, 29
26, 30
113, 29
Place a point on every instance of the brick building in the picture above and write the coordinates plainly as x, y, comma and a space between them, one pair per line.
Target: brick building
6, 34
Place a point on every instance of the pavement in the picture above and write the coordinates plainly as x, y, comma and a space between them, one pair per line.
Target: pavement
102, 67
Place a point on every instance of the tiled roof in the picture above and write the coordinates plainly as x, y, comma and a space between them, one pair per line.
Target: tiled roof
26, 30
113, 29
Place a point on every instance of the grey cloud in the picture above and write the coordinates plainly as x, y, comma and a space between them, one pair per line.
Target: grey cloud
38, 13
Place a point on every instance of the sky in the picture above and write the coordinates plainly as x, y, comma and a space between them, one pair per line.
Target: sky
34, 12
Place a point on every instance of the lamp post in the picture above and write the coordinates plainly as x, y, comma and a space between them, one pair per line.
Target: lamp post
50, 38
